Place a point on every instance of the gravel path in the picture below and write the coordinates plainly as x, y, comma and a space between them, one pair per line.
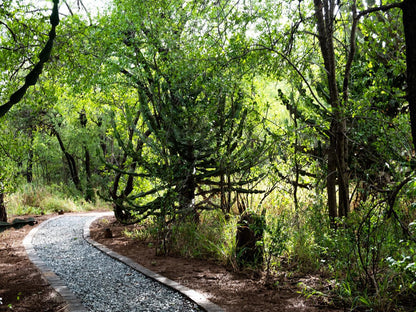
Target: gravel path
102, 283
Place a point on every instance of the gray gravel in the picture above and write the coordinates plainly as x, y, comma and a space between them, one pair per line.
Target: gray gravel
102, 283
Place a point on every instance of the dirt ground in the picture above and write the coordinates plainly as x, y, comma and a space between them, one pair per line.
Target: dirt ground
22, 288
233, 291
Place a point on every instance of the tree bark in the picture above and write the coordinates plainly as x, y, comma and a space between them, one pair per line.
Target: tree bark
338, 151
331, 181
3, 212
409, 24
71, 162
29, 169
34, 74
89, 192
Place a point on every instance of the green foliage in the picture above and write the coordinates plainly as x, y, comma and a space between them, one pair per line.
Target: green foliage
37, 200
190, 106
213, 238
33, 76
193, 130
276, 240
359, 255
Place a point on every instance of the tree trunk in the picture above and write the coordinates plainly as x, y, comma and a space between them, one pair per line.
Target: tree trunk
343, 178
120, 212
89, 193
71, 162
331, 180
3, 212
29, 169
250, 232
338, 151
187, 188
409, 23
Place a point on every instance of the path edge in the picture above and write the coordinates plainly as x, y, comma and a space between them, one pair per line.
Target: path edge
74, 304
197, 297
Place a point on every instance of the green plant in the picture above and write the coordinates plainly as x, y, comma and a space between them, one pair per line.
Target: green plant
405, 265
276, 240
141, 233
213, 237
44, 199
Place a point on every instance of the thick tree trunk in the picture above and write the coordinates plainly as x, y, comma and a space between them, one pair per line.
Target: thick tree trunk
250, 232
409, 23
187, 187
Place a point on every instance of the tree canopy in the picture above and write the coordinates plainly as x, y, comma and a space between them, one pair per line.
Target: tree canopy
172, 108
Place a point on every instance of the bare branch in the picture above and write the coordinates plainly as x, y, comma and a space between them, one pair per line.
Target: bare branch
382, 8
10, 30
351, 54
34, 74
297, 71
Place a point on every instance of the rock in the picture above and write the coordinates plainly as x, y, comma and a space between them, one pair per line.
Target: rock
108, 233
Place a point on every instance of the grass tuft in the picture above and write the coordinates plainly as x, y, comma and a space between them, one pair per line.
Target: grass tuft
32, 199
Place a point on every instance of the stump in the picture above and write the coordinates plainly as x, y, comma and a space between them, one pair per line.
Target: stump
3, 213
249, 240
108, 233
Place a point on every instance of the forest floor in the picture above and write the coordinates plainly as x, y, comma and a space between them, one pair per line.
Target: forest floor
235, 291
22, 288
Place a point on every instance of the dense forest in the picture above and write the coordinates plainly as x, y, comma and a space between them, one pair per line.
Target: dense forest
270, 134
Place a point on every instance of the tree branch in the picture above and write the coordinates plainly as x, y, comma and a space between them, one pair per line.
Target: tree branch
351, 54
262, 47
382, 8
10, 30
34, 74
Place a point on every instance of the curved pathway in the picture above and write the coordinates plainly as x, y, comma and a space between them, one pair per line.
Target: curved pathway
94, 280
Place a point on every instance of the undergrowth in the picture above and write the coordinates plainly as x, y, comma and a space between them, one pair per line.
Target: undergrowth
212, 238
366, 263
32, 199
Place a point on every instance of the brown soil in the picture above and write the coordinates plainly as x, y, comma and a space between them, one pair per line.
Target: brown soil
233, 291
22, 287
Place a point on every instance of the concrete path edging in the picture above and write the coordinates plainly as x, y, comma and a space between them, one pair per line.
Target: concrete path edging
195, 296
74, 304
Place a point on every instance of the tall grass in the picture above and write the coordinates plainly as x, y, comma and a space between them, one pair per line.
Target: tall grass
33, 199
367, 263
213, 238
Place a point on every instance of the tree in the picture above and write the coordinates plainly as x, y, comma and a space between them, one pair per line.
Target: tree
31, 77
331, 92
11, 154
409, 10
192, 134
34, 74
338, 148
